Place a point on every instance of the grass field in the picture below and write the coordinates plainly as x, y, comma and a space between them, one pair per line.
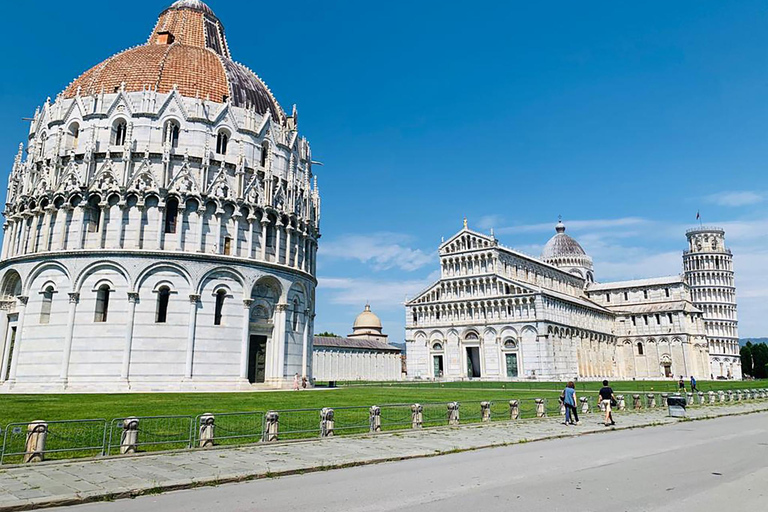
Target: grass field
22, 408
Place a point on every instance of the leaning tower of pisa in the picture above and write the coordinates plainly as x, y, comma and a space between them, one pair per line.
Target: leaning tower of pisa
708, 267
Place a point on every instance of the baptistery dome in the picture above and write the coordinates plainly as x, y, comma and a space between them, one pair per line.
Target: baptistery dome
563, 251
367, 322
161, 226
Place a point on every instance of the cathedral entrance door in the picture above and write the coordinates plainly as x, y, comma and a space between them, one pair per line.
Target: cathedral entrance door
437, 362
257, 352
473, 362
511, 365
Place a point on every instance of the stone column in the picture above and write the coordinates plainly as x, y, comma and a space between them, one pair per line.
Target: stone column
278, 342
6, 237
140, 209
133, 298
246, 338
249, 223
194, 299
74, 298
199, 233
264, 224
160, 225
216, 230
121, 227
48, 234
305, 346
278, 237
19, 331
300, 250
34, 233
103, 223
288, 246
81, 225
179, 227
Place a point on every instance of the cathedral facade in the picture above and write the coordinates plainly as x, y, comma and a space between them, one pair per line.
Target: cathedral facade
161, 226
498, 314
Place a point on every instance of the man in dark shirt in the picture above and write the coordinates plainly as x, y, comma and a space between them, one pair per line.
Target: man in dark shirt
606, 397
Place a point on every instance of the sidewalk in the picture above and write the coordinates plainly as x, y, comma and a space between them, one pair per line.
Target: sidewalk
64, 483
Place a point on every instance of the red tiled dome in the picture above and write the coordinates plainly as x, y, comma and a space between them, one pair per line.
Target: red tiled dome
187, 49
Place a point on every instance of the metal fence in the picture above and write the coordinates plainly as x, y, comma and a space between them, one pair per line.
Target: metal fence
36, 441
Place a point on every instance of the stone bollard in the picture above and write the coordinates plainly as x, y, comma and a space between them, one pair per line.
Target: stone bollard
562, 407
584, 405
374, 418
129, 439
689, 399
621, 403
664, 397
453, 413
417, 416
721, 396
271, 426
326, 422
541, 409
485, 411
701, 398
651, 398
207, 430
729, 395
637, 403
711, 397
601, 405
37, 432
514, 409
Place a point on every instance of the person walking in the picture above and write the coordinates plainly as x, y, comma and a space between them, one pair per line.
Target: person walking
569, 400
607, 398
694, 389
681, 386
296, 382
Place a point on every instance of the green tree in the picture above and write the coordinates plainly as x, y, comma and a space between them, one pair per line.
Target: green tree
746, 359
759, 360
328, 335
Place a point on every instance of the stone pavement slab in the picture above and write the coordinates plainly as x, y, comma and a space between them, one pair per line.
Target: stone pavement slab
68, 482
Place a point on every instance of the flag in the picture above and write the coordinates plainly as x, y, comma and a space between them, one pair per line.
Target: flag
698, 216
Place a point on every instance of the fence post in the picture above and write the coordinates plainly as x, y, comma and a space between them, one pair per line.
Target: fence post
721, 396
326, 422
730, 396
651, 397
207, 430
637, 403
514, 409
701, 398
271, 426
129, 438
621, 403
417, 416
453, 413
485, 411
562, 406
37, 432
374, 418
664, 397
690, 398
541, 408
584, 404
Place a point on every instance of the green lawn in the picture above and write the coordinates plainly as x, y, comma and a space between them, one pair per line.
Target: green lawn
22, 408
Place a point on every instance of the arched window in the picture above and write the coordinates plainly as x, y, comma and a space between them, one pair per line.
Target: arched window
171, 135
119, 130
220, 296
45, 308
102, 304
264, 153
222, 139
163, 295
639, 348
73, 134
171, 215
437, 346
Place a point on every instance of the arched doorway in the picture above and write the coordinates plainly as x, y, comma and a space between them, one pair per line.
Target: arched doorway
10, 289
265, 295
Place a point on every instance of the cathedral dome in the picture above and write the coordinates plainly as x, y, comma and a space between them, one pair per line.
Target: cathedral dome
186, 50
561, 245
367, 320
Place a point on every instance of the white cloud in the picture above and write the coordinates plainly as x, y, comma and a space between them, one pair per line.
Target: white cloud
382, 251
597, 224
487, 222
742, 198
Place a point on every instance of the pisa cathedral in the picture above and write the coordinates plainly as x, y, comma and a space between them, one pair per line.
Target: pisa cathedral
498, 314
161, 226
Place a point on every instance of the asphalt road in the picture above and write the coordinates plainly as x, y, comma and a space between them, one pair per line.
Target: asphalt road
715, 465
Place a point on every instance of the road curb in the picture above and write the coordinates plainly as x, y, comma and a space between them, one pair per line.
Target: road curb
101, 496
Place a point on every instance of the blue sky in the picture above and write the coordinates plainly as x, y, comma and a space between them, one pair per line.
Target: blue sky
624, 118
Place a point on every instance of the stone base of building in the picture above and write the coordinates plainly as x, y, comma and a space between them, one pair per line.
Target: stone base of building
143, 386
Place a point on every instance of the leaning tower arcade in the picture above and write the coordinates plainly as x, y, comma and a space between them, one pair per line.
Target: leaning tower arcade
708, 267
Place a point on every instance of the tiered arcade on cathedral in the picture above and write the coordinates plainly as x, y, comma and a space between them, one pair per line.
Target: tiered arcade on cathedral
161, 226
498, 314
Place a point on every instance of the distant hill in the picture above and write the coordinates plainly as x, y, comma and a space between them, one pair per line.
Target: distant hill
743, 341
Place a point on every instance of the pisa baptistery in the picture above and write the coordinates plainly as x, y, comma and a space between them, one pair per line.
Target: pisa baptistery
161, 227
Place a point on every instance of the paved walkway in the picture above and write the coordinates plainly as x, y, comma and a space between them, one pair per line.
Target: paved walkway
62, 483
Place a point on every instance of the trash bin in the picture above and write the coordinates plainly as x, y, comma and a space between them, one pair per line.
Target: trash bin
676, 405
331, 383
